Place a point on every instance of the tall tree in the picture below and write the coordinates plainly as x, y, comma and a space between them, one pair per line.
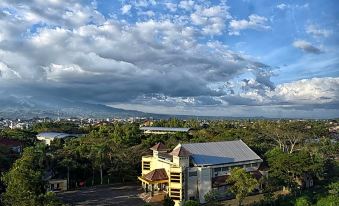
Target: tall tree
242, 183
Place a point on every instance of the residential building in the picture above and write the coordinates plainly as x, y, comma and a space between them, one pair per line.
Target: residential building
191, 170
163, 130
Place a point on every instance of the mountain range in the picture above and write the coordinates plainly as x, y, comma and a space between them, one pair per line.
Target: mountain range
14, 107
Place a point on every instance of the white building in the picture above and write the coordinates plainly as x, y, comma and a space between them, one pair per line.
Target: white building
48, 137
190, 171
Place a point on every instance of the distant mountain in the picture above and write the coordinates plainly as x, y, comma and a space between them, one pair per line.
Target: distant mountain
29, 107
13, 107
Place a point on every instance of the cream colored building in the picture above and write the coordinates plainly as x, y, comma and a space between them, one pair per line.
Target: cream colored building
190, 171
57, 185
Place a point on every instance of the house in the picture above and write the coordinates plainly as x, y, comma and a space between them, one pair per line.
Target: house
57, 185
191, 170
163, 130
48, 137
13, 145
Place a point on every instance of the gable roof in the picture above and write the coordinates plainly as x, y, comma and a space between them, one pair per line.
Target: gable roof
213, 153
156, 175
180, 151
159, 147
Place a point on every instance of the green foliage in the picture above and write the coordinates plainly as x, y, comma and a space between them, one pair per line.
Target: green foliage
333, 188
289, 168
302, 201
24, 180
168, 201
27, 137
66, 127
191, 203
330, 200
211, 198
242, 183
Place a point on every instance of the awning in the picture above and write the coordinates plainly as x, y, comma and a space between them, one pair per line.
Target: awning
155, 176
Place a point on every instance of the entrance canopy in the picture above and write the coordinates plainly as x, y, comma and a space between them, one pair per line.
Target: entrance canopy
155, 176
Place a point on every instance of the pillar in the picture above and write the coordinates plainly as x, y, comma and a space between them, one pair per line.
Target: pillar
152, 190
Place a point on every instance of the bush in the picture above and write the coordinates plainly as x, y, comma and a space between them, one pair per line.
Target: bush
302, 201
191, 203
330, 200
168, 201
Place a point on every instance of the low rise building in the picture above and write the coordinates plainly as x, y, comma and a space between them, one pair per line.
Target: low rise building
190, 171
48, 137
163, 130
57, 185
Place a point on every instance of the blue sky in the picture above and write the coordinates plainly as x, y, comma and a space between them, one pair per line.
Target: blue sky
232, 58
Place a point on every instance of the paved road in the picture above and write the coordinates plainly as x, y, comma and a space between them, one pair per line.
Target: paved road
104, 196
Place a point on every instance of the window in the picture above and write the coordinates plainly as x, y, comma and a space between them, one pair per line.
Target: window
217, 169
146, 165
225, 169
175, 194
193, 174
175, 177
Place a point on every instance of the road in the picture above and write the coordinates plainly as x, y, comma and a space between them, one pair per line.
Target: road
115, 195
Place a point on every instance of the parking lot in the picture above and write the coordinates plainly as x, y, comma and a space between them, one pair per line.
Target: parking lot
119, 195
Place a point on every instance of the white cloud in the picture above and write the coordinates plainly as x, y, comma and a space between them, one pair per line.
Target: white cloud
126, 8
316, 31
255, 22
212, 19
187, 5
171, 6
306, 46
282, 6
315, 91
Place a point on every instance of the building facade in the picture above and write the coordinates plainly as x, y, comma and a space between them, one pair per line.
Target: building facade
190, 171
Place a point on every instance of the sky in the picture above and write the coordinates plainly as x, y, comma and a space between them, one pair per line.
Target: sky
239, 58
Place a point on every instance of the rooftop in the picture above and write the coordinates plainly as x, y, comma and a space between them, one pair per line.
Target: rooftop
213, 153
54, 135
159, 147
156, 175
165, 129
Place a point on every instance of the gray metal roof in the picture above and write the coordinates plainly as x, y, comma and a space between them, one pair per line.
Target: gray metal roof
166, 129
54, 135
212, 153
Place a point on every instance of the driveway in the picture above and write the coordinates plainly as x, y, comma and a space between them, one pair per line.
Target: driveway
117, 195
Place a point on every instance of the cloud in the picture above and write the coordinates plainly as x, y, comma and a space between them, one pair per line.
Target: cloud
187, 5
111, 61
254, 22
212, 19
74, 52
282, 6
171, 6
318, 32
126, 8
306, 47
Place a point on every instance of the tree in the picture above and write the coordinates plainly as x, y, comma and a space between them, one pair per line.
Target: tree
191, 203
330, 200
302, 201
242, 183
334, 188
24, 181
168, 201
211, 198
